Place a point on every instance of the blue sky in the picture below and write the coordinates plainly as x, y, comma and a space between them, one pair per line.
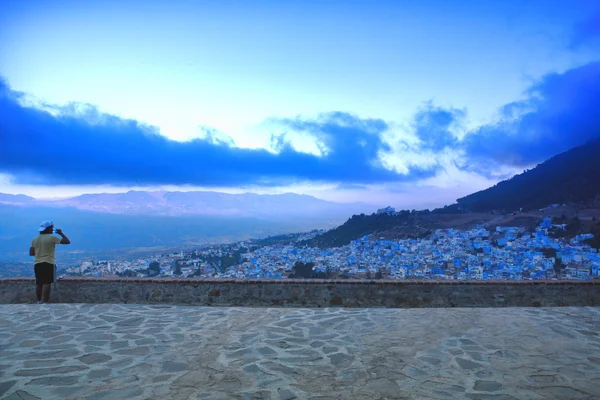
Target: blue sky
396, 102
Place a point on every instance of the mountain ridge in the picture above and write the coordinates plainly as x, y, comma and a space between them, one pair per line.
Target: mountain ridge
569, 177
180, 203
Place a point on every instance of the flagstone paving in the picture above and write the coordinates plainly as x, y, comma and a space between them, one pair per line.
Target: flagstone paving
82, 351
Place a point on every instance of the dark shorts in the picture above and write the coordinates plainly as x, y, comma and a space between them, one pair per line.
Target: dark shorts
44, 273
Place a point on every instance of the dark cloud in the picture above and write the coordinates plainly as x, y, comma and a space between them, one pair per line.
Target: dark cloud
83, 146
560, 112
433, 126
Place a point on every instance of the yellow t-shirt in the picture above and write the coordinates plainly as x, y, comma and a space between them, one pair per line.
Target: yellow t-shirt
44, 246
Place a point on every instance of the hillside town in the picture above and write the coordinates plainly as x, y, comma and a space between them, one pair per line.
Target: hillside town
481, 253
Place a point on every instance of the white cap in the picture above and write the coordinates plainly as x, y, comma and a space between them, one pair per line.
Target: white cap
45, 225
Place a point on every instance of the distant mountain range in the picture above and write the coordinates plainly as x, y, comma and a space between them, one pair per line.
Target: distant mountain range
197, 203
106, 225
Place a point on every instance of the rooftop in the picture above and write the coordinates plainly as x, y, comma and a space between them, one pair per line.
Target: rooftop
111, 351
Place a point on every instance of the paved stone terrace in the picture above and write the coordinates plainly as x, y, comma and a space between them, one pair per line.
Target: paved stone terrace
73, 351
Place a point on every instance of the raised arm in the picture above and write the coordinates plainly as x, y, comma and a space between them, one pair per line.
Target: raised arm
65, 239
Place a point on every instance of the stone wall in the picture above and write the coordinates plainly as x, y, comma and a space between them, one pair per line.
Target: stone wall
309, 293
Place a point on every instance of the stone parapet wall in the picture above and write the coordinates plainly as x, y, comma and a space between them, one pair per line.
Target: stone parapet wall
309, 292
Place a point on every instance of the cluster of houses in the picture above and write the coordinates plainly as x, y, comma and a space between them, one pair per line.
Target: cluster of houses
502, 254
506, 253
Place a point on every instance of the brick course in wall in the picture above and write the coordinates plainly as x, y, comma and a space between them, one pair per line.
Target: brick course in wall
309, 292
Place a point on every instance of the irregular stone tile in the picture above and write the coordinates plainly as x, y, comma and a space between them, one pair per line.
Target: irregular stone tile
96, 343
340, 359
299, 360
121, 380
260, 395
49, 371
413, 372
484, 374
30, 343
243, 353
287, 322
505, 354
5, 386
306, 352
467, 364
136, 321
22, 395
475, 356
383, 387
277, 367
96, 336
266, 352
119, 344
313, 331
43, 363
443, 387
145, 342
94, 358
252, 369
481, 396
47, 328
161, 392
134, 351
169, 366
286, 394
193, 379
487, 386
140, 369
120, 363
431, 360
562, 392
55, 381
162, 378
99, 373
66, 346
270, 383
115, 394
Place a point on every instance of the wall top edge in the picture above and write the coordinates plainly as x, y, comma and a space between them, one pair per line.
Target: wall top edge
196, 281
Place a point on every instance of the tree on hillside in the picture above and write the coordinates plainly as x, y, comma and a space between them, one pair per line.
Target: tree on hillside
153, 268
595, 241
305, 270
177, 269
127, 274
302, 270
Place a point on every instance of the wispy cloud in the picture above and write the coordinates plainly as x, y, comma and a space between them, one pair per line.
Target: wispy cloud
79, 145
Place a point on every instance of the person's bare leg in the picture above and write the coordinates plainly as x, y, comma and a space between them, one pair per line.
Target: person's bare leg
46, 293
38, 292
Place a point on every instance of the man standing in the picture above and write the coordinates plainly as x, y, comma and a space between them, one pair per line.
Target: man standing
42, 247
